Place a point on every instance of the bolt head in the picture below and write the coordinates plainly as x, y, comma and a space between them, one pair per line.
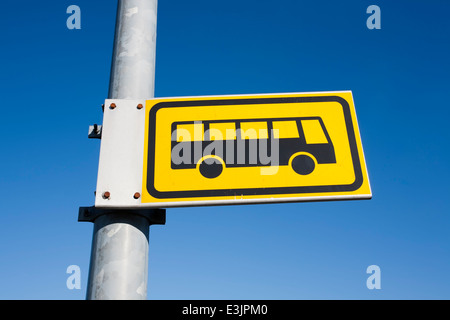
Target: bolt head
137, 195
106, 195
112, 106
140, 106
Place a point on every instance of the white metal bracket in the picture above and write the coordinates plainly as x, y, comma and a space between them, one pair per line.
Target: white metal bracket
119, 181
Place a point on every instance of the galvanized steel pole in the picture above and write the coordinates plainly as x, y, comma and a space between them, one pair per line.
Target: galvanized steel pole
119, 257
133, 64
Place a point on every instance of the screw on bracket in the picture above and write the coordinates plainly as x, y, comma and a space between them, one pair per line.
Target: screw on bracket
137, 195
140, 106
112, 106
106, 195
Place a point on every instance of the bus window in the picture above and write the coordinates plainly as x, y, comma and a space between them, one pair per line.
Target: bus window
254, 130
285, 129
313, 132
190, 132
222, 130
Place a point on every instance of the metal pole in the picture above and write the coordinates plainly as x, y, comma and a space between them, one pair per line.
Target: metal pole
119, 257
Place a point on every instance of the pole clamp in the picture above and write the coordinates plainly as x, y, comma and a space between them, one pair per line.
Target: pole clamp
154, 216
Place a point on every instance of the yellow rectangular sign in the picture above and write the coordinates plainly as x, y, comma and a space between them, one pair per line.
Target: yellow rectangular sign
253, 149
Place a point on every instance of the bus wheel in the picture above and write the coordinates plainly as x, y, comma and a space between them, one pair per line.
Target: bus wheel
211, 168
303, 164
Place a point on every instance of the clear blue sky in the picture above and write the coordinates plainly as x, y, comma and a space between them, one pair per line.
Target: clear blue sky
54, 80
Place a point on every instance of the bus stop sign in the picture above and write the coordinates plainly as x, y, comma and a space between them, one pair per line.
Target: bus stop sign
244, 149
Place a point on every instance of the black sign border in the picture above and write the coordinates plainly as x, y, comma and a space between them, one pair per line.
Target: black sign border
355, 185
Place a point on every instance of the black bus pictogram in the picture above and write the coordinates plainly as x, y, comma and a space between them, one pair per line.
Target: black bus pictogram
216, 145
